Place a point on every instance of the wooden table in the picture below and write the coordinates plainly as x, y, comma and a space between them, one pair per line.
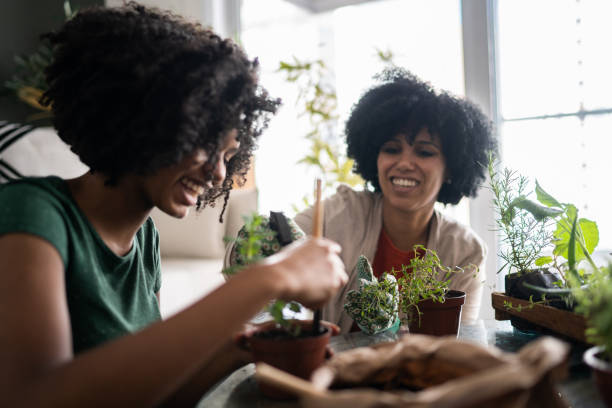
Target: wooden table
240, 390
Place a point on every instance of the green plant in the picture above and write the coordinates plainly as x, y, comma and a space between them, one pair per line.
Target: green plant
255, 241
529, 227
374, 307
424, 278
318, 102
523, 234
28, 83
595, 303
574, 238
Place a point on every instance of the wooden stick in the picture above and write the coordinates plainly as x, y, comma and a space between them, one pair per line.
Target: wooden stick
317, 232
271, 375
317, 227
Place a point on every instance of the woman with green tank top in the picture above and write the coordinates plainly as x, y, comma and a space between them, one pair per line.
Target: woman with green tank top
165, 114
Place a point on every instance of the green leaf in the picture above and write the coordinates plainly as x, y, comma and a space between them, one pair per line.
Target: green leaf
538, 211
546, 198
571, 250
543, 260
590, 234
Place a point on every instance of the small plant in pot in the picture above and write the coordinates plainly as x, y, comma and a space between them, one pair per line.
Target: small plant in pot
374, 307
426, 301
285, 343
594, 300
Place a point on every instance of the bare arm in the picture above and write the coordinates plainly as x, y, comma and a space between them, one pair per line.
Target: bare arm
144, 368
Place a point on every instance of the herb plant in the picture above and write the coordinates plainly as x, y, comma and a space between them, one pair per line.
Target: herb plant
374, 307
527, 228
523, 235
255, 241
574, 238
424, 278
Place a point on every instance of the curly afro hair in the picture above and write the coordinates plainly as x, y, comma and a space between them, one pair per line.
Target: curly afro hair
134, 89
404, 104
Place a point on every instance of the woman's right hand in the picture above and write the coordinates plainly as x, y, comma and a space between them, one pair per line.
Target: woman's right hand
309, 271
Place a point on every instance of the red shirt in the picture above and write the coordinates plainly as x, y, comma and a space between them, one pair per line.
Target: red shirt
388, 256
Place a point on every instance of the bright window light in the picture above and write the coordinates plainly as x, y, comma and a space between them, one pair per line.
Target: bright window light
424, 37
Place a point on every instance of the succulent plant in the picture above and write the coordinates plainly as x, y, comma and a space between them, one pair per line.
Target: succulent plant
374, 307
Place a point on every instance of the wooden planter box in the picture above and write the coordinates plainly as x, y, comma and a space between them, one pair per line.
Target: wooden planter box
562, 322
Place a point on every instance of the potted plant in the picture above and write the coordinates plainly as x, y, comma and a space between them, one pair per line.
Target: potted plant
374, 307
528, 230
426, 302
594, 300
286, 343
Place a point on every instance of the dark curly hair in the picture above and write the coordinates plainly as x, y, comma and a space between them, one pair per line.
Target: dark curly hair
135, 89
405, 104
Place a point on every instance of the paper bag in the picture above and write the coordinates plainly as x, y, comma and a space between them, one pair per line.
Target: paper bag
424, 371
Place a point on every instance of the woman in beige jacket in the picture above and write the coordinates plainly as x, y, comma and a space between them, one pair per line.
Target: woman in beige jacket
413, 146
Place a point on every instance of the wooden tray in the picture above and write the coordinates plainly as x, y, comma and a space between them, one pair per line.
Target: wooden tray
563, 322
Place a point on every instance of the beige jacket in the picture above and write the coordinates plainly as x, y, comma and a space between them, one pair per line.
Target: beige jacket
354, 220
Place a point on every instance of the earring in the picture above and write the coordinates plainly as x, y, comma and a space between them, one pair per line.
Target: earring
449, 181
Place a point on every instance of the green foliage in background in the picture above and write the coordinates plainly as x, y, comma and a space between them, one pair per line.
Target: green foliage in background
28, 83
317, 101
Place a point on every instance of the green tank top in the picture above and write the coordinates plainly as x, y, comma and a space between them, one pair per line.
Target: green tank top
108, 295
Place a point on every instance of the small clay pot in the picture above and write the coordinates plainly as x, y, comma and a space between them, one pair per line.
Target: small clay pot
299, 356
602, 372
439, 319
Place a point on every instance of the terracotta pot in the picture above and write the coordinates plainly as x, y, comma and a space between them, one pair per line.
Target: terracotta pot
602, 372
439, 319
299, 356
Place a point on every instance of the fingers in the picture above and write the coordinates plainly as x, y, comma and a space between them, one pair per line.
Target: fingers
311, 269
332, 327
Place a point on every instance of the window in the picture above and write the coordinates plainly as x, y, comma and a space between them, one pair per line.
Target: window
555, 100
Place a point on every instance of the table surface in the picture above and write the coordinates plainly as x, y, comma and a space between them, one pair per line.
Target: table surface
240, 388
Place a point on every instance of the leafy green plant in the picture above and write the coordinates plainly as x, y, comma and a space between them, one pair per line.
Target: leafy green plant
424, 278
252, 244
522, 226
595, 303
528, 227
374, 307
318, 102
574, 238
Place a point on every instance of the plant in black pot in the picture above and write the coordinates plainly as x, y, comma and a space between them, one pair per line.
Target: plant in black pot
286, 342
594, 300
427, 304
529, 230
544, 246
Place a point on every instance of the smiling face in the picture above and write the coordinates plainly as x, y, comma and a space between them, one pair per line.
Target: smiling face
411, 174
174, 189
